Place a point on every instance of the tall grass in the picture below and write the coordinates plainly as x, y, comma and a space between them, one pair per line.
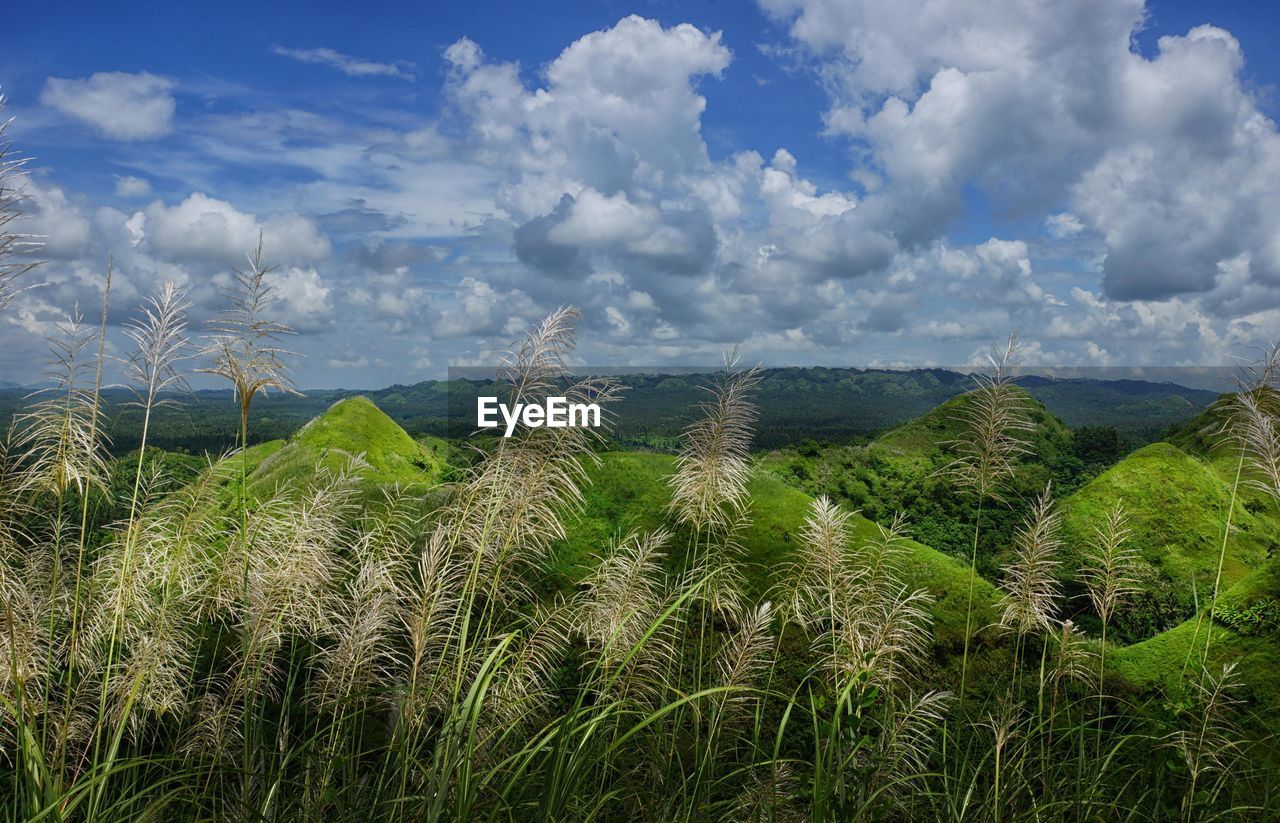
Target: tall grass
994, 422
325, 651
1110, 578
16, 246
1249, 431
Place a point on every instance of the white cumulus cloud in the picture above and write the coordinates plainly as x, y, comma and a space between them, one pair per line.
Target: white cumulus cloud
132, 187
206, 229
1049, 106
121, 106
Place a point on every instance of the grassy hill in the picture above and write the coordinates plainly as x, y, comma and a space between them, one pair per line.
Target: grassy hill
1177, 503
1205, 434
900, 471
1247, 631
926, 437
629, 490
1177, 507
352, 433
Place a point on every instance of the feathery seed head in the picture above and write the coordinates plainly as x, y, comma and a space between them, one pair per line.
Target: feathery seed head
245, 340
15, 247
1110, 564
623, 594
1030, 586
61, 433
747, 654
709, 487
820, 567
996, 422
160, 344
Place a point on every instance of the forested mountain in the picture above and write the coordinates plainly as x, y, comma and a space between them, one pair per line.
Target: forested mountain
796, 404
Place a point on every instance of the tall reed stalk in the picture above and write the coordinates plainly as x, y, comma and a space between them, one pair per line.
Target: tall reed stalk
16, 247
1109, 574
995, 422
245, 349
709, 490
1250, 430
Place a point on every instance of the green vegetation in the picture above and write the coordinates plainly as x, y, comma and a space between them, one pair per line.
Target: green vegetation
1161, 662
1205, 434
629, 491
351, 623
902, 472
354, 429
1177, 506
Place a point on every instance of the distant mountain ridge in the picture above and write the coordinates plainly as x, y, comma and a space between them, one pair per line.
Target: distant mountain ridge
796, 404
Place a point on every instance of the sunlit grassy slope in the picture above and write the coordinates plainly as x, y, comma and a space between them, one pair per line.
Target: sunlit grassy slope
1176, 502
1202, 433
629, 491
1205, 436
1254, 646
352, 428
1177, 494
924, 438
1177, 507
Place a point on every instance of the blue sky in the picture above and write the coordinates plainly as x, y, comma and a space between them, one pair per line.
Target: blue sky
825, 181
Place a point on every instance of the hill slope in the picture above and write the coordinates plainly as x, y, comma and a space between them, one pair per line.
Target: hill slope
1250, 637
352, 434
927, 436
1177, 508
902, 471
1203, 434
629, 490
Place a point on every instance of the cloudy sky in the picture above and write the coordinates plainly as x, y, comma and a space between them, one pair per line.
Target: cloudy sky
843, 182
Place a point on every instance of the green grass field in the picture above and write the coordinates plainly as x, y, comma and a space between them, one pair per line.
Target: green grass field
1161, 639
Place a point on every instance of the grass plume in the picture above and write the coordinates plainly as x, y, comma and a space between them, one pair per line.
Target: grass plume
16, 247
